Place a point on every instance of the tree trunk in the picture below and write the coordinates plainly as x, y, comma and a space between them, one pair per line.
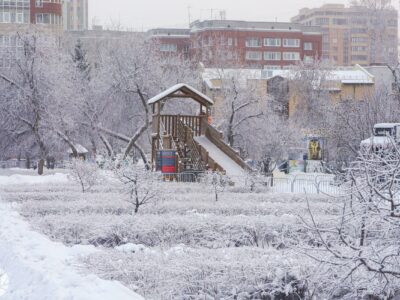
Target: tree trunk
41, 166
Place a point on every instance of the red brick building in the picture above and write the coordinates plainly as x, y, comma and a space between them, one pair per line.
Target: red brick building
268, 45
46, 12
241, 44
171, 41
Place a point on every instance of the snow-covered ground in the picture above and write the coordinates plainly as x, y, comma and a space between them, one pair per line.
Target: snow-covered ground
55, 240
33, 267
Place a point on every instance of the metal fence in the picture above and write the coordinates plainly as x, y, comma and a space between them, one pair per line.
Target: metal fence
320, 184
181, 177
13, 164
304, 183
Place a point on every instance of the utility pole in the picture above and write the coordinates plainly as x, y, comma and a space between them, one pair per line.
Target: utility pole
188, 8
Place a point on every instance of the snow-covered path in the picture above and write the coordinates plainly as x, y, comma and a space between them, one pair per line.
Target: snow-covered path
36, 268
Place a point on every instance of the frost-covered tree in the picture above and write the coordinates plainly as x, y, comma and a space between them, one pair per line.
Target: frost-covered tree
85, 173
80, 59
216, 182
28, 93
309, 93
131, 72
241, 102
361, 249
141, 185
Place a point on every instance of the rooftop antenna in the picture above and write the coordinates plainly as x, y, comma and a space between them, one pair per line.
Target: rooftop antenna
222, 14
188, 8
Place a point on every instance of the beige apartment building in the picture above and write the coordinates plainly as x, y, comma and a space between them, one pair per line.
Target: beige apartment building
76, 15
354, 35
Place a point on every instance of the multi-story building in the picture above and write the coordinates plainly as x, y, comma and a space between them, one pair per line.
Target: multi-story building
75, 14
352, 83
171, 40
354, 35
19, 16
31, 12
269, 45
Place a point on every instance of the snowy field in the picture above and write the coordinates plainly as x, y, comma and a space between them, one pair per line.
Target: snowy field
184, 245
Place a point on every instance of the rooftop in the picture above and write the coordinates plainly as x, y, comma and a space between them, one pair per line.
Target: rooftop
197, 26
344, 75
175, 32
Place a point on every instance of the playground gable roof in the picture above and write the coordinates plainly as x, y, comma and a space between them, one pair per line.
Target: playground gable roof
182, 90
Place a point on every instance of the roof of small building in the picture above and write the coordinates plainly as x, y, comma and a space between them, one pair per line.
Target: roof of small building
344, 75
79, 148
386, 125
182, 90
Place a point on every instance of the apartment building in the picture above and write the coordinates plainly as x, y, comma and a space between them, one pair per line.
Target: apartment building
241, 44
268, 45
19, 16
75, 15
31, 12
171, 41
354, 35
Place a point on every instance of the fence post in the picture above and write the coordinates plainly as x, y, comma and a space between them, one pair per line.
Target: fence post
292, 185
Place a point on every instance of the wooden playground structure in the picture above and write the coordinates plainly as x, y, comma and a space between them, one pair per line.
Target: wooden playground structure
192, 144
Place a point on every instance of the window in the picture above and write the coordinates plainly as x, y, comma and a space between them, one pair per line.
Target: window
269, 42
339, 21
291, 56
322, 21
6, 17
359, 57
358, 30
272, 67
168, 47
357, 40
253, 55
308, 59
291, 43
307, 46
230, 41
39, 3
20, 17
272, 56
253, 42
43, 19
267, 73
358, 48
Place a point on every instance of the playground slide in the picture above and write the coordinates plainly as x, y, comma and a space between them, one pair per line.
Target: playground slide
230, 166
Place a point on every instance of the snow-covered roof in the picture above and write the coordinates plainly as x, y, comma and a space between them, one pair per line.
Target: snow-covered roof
241, 75
79, 148
343, 75
186, 90
377, 140
386, 125
347, 75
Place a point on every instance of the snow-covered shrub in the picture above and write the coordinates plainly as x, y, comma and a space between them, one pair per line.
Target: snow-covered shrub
142, 186
360, 248
216, 182
182, 272
85, 173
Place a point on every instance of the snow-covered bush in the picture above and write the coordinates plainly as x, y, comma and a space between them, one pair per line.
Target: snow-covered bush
141, 185
360, 249
85, 173
216, 182
182, 272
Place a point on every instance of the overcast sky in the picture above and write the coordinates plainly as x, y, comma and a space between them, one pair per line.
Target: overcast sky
146, 14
